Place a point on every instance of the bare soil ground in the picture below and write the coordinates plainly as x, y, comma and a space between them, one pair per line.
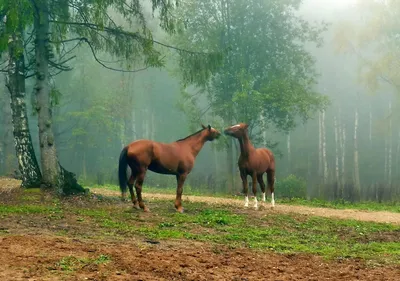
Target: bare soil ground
31, 250
24, 257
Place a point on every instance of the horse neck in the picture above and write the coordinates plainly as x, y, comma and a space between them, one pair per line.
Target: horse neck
245, 145
195, 142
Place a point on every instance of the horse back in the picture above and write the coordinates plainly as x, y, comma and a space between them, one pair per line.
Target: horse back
141, 150
267, 158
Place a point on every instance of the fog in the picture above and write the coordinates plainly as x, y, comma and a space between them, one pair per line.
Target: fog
98, 111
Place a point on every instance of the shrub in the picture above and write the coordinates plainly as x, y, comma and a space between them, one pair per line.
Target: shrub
291, 187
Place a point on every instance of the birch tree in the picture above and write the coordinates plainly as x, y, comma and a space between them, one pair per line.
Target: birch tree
15, 83
324, 158
337, 178
356, 170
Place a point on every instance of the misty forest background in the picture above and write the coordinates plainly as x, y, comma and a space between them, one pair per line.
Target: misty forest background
344, 147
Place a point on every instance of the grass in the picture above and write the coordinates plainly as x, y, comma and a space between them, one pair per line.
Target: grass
72, 263
376, 243
330, 238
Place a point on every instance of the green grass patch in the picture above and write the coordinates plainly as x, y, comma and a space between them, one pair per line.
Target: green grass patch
72, 263
28, 209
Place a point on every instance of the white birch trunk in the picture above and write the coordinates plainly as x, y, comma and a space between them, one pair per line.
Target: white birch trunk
27, 162
370, 126
342, 143
324, 160
153, 126
390, 147
385, 177
320, 146
336, 151
356, 164
397, 156
289, 153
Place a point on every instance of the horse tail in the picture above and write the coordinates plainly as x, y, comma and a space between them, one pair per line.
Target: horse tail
123, 164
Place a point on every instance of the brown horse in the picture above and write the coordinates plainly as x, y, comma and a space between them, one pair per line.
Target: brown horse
253, 162
176, 158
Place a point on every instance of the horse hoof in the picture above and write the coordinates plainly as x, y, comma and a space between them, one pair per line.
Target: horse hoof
180, 210
136, 207
147, 210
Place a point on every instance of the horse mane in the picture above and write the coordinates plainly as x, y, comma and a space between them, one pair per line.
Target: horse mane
191, 135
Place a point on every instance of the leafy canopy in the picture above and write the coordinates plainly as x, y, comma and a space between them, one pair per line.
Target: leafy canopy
267, 72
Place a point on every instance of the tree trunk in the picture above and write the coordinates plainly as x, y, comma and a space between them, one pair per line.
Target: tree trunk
336, 156
342, 143
53, 175
390, 147
263, 130
288, 151
397, 156
27, 162
6, 140
320, 169
356, 166
324, 160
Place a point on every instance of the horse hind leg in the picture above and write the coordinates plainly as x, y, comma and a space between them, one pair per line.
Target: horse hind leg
262, 186
131, 182
271, 183
138, 187
254, 178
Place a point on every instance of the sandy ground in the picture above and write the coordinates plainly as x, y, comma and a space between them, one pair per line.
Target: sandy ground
381, 216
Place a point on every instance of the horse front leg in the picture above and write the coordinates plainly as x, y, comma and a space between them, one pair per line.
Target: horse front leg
180, 179
243, 176
254, 178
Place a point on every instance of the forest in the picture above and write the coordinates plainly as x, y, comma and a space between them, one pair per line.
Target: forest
317, 82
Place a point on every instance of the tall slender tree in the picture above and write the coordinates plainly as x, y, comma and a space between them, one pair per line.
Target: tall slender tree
13, 32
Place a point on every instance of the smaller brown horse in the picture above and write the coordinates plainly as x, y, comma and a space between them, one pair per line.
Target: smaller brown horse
176, 158
253, 162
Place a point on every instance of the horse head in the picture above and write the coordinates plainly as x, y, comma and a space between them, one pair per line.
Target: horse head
237, 131
211, 132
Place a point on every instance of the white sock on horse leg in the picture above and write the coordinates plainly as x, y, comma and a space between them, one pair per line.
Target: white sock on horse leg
255, 202
246, 201
263, 196
272, 199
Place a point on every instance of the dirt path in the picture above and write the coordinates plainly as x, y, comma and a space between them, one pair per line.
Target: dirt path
375, 216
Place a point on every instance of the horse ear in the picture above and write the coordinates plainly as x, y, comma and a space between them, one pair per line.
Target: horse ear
209, 127
203, 126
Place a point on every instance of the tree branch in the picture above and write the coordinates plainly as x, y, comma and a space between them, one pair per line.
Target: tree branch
133, 35
84, 39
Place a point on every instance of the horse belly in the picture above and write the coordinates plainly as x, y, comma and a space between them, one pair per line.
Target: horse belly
159, 168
